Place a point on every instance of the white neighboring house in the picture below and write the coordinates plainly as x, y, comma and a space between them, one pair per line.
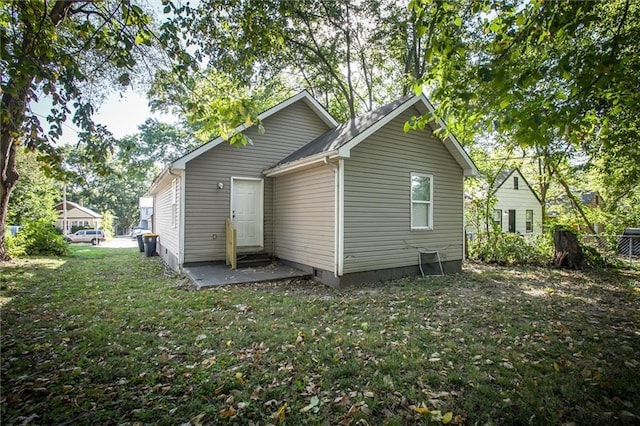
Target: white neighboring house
518, 208
77, 215
146, 212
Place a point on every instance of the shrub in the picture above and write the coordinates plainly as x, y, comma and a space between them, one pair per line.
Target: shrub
512, 249
12, 243
38, 237
592, 257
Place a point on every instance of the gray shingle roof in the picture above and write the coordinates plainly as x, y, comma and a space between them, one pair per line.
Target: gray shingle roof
588, 197
342, 134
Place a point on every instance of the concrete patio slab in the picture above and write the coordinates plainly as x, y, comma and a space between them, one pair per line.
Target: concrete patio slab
214, 275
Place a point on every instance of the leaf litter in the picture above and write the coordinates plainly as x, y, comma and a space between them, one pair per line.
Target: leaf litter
131, 345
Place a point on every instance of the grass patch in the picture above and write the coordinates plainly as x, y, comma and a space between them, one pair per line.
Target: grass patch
109, 336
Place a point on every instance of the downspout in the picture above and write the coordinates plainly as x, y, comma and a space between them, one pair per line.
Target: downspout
464, 225
274, 232
337, 223
181, 217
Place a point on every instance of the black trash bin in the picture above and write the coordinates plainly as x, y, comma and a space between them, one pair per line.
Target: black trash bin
149, 244
140, 243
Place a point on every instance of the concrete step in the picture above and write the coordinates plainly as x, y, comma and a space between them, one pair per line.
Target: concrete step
253, 260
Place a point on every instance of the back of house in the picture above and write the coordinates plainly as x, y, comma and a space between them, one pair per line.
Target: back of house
346, 203
198, 192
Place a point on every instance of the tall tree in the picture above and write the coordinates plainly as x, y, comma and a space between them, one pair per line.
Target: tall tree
558, 77
352, 56
551, 75
56, 49
136, 159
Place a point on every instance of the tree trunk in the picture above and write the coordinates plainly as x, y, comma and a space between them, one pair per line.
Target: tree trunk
4, 204
8, 174
576, 202
568, 250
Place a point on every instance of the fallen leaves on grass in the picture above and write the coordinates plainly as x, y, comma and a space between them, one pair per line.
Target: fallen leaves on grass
127, 344
313, 406
434, 415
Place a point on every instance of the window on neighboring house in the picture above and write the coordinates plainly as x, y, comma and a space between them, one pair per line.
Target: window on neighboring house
421, 201
497, 217
529, 220
174, 203
515, 182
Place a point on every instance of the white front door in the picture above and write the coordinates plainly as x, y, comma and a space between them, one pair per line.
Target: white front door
246, 210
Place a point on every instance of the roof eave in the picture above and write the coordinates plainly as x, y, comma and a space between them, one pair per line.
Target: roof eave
514, 170
453, 145
169, 170
301, 163
345, 150
468, 166
304, 96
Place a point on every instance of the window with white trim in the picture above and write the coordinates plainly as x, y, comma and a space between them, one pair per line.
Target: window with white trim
497, 217
421, 201
529, 221
174, 203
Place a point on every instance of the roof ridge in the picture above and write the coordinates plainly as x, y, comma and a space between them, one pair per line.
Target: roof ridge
340, 135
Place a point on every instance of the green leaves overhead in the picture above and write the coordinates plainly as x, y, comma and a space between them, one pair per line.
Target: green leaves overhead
215, 104
68, 51
557, 60
556, 80
353, 56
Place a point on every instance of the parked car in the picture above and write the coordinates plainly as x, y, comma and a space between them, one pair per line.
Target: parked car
630, 242
93, 236
139, 230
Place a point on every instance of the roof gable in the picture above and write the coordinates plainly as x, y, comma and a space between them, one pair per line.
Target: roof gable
344, 133
303, 96
71, 205
506, 174
340, 140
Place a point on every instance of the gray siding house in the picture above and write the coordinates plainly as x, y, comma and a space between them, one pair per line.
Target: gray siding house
351, 202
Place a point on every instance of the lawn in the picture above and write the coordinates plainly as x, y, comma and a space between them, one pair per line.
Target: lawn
106, 336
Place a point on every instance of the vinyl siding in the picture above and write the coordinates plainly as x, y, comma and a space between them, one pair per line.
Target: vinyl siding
207, 207
520, 200
377, 199
163, 224
304, 217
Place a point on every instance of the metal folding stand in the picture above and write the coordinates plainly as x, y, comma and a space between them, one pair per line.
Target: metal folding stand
431, 252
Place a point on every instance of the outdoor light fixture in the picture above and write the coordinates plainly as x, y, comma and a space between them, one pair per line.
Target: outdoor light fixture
220, 185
